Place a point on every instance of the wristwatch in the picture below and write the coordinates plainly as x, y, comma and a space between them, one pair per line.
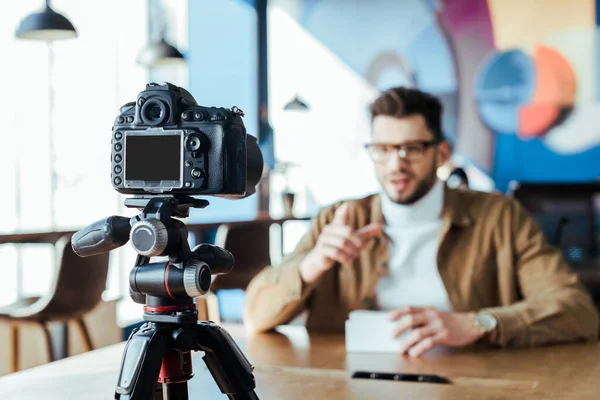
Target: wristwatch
485, 321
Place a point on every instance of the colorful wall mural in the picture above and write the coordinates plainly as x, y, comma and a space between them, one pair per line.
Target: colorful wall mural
537, 91
517, 78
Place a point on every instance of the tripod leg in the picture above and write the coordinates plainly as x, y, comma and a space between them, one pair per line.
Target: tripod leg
158, 392
175, 391
140, 364
226, 362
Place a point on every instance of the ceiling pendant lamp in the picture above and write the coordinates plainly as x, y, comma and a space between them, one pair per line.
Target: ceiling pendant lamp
46, 25
159, 54
296, 105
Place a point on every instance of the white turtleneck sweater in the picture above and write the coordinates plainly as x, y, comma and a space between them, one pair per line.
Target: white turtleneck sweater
414, 230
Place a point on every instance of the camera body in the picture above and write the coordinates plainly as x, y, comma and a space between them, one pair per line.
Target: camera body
165, 143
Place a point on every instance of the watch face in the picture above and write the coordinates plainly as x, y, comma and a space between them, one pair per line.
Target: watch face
487, 321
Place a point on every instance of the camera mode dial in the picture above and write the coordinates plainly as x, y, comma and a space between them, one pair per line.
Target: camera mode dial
149, 237
196, 278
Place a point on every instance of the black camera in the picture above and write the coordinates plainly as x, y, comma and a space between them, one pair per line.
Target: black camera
165, 143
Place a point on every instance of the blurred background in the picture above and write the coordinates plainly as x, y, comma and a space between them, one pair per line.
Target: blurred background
518, 80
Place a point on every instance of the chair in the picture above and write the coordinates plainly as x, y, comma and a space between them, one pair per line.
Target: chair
77, 289
566, 213
249, 244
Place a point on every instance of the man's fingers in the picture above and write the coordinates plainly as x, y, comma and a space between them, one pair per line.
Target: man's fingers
370, 231
425, 345
359, 237
341, 215
410, 321
415, 337
342, 231
396, 314
336, 254
346, 244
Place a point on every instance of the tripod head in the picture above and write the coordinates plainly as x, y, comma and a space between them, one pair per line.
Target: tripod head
152, 233
115, 231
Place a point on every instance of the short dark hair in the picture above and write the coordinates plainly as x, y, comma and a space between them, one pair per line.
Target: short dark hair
403, 102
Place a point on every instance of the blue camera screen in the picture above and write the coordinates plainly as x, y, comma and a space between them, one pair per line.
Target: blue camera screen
153, 158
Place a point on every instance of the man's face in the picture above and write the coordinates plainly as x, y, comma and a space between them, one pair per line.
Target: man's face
406, 157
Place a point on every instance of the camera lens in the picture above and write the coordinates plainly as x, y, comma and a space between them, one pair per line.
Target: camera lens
254, 164
154, 112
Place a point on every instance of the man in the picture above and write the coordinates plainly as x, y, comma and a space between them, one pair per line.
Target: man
454, 267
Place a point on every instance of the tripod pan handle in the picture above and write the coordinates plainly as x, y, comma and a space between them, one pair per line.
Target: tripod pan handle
218, 259
101, 236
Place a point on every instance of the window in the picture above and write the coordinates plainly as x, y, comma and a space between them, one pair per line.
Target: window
56, 127
324, 142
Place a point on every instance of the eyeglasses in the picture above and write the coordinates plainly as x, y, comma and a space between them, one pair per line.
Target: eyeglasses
411, 152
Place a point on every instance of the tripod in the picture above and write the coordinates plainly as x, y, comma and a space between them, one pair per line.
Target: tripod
157, 362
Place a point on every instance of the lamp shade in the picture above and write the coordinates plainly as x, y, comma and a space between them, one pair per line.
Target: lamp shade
159, 54
296, 105
46, 25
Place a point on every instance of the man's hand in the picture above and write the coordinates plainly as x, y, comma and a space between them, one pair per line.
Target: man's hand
431, 327
338, 242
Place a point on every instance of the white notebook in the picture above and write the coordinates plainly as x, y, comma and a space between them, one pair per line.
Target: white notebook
372, 331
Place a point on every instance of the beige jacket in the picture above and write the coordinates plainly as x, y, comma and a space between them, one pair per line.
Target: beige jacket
491, 256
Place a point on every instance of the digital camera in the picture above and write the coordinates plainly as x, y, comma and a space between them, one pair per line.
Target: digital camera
165, 143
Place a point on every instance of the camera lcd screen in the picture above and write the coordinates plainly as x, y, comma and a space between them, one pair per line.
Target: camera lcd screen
153, 158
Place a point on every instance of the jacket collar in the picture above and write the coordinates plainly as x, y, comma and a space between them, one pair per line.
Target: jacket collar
455, 210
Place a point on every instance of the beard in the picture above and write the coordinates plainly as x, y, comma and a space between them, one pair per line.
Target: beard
422, 187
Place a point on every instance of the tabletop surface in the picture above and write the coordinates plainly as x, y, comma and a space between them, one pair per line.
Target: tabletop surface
292, 364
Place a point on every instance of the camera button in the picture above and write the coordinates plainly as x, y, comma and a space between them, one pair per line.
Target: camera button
117, 181
121, 120
199, 116
118, 169
197, 173
118, 158
217, 117
129, 119
188, 164
118, 147
193, 143
188, 184
185, 116
118, 135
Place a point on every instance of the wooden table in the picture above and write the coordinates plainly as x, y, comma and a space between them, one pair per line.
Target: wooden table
290, 364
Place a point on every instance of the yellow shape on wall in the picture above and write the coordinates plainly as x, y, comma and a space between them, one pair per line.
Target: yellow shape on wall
523, 23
